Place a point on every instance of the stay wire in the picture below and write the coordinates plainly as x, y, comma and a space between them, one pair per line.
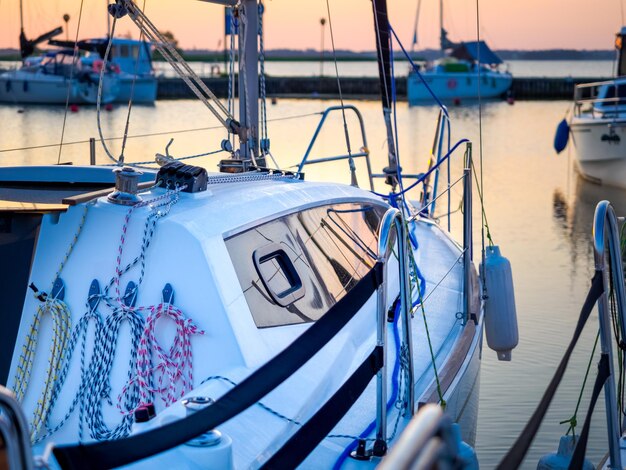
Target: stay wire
75, 57
343, 111
132, 88
480, 141
152, 134
99, 98
573, 421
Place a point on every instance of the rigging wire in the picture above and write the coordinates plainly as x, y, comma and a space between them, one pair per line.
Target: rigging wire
99, 98
153, 134
343, 111
480, 148
71, 77
132, 87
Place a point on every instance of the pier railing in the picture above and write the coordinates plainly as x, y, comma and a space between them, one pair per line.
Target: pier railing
429, 441
608, 292
608, 260
14, 432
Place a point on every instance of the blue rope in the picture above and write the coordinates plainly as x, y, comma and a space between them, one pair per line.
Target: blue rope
395, 379
416, 70
425, 175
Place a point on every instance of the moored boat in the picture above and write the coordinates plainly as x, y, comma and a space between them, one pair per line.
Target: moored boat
58, 78
239, 318
466, 71
133, 61
598, 127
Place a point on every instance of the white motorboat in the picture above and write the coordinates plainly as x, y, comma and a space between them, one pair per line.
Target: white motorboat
598, 127
238, 319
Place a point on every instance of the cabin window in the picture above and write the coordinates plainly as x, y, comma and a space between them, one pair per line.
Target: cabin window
124, 52
294, 268
135, 51
610, 95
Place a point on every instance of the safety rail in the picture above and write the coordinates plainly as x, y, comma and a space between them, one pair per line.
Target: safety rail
606, 241
428, 441
364, 150
587, 93
393, 219
14, 432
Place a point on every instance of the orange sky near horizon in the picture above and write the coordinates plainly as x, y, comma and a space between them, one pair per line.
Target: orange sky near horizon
513, 24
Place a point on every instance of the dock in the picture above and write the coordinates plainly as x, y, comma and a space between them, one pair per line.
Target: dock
526, 88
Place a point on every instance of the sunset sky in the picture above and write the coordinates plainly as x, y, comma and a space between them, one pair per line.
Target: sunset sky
505, 24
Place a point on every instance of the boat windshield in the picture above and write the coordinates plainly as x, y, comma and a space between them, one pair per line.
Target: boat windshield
615, 95
60, 63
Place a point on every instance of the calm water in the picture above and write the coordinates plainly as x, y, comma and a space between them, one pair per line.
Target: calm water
539, 212
519, 68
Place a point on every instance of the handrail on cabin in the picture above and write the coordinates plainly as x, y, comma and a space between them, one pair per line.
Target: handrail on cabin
606, 240
364, 153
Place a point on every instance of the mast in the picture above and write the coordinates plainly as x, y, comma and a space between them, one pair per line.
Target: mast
108, 21
381, 28
442, 32
249, 79
21, 17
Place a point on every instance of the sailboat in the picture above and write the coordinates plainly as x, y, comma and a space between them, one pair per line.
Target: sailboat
242, 318
132, 60
468, 70
57, 77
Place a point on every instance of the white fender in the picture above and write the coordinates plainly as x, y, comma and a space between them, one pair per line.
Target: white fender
500, 314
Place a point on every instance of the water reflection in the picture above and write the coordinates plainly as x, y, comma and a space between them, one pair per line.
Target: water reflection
574, 214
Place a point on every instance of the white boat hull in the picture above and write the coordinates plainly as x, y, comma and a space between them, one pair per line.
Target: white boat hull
38, 88
452, 86
143, 91
203, 272
600, 150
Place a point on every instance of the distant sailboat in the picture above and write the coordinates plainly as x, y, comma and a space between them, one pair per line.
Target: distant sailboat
456, 76
132, 59
56, 77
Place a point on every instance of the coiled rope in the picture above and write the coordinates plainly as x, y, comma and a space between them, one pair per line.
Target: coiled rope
61, 317
172, 370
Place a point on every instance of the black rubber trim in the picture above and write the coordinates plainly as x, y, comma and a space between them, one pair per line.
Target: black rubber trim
604, 372
515, 455
109, 454
302, 443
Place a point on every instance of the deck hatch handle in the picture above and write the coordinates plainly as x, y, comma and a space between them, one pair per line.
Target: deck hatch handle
278, 273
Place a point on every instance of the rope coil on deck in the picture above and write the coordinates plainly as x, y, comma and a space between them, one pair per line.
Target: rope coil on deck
172, 372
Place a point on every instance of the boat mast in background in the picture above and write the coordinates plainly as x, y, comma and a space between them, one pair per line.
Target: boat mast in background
27, 47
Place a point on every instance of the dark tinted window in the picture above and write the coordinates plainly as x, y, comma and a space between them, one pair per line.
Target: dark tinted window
610, 93
293, 269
